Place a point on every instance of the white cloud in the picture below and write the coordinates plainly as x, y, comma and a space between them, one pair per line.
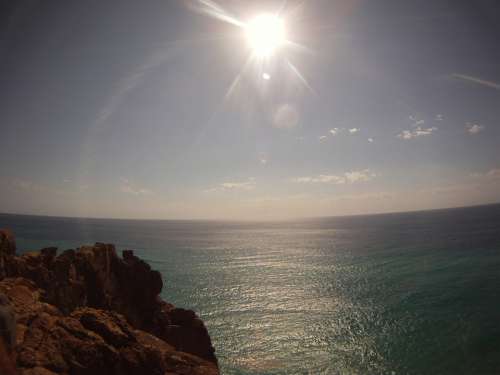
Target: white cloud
492, 174
370, 140
474, 128
353, 130
322, 138
360, 176
263, 159
418, 132
345, 178
127, 188
335, 131
250, 184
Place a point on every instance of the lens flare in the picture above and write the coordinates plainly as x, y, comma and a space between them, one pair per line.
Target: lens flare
265, 34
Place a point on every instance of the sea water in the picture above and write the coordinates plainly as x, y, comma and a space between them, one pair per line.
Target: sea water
406, 293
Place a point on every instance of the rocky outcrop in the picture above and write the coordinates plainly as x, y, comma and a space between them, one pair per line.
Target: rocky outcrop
89, 311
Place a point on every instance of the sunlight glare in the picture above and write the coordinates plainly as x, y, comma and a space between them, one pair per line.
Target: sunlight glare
265, 34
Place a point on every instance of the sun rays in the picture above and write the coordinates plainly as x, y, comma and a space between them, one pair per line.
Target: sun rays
265, 36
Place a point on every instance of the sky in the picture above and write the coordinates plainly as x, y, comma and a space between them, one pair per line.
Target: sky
160, 109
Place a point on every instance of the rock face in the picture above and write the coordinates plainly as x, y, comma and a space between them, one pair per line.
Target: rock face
89, 311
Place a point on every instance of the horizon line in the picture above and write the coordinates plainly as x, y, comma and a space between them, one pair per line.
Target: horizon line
255, 220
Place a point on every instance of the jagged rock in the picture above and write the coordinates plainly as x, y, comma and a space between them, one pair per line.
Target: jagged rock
7, 322
92, 341
109, 325
7, 362
7, 242
98, 313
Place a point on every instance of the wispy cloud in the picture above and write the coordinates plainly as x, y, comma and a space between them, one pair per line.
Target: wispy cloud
353, 130
27, 185
322, 138
345, 178
128, 188
335, 131
492, 174
263, 159
479, 81
473, 129
370, 140
247, 185
417, 132
439, 118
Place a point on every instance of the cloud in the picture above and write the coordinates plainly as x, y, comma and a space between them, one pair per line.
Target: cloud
418, 132
370, 140
492, 174
474, 128
263, 159
322, 138
127, 188
335, 131
353, 130
250, 184
345, 178
479, 81
439, 118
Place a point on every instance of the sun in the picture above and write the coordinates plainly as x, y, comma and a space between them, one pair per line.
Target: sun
265, 34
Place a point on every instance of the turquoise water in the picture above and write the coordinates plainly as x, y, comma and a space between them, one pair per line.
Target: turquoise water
414, 293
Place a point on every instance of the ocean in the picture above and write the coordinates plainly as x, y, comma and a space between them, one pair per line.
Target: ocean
405, 293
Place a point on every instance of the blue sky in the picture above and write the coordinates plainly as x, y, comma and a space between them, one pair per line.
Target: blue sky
125, 109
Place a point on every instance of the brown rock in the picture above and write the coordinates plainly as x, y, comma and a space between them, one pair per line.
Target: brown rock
7, 366
37, 371
7, 242
96, 312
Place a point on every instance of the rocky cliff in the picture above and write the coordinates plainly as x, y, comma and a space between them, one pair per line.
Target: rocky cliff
89, 311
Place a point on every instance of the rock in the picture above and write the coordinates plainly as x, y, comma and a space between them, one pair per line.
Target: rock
111, 326
7, 242
7, 323
88, 311
73, 345
7, 250
37, 371
94, 276
49, 252
188, 334
7, 362
63, 345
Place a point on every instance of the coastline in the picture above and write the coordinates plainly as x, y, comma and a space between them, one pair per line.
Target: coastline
90, 311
